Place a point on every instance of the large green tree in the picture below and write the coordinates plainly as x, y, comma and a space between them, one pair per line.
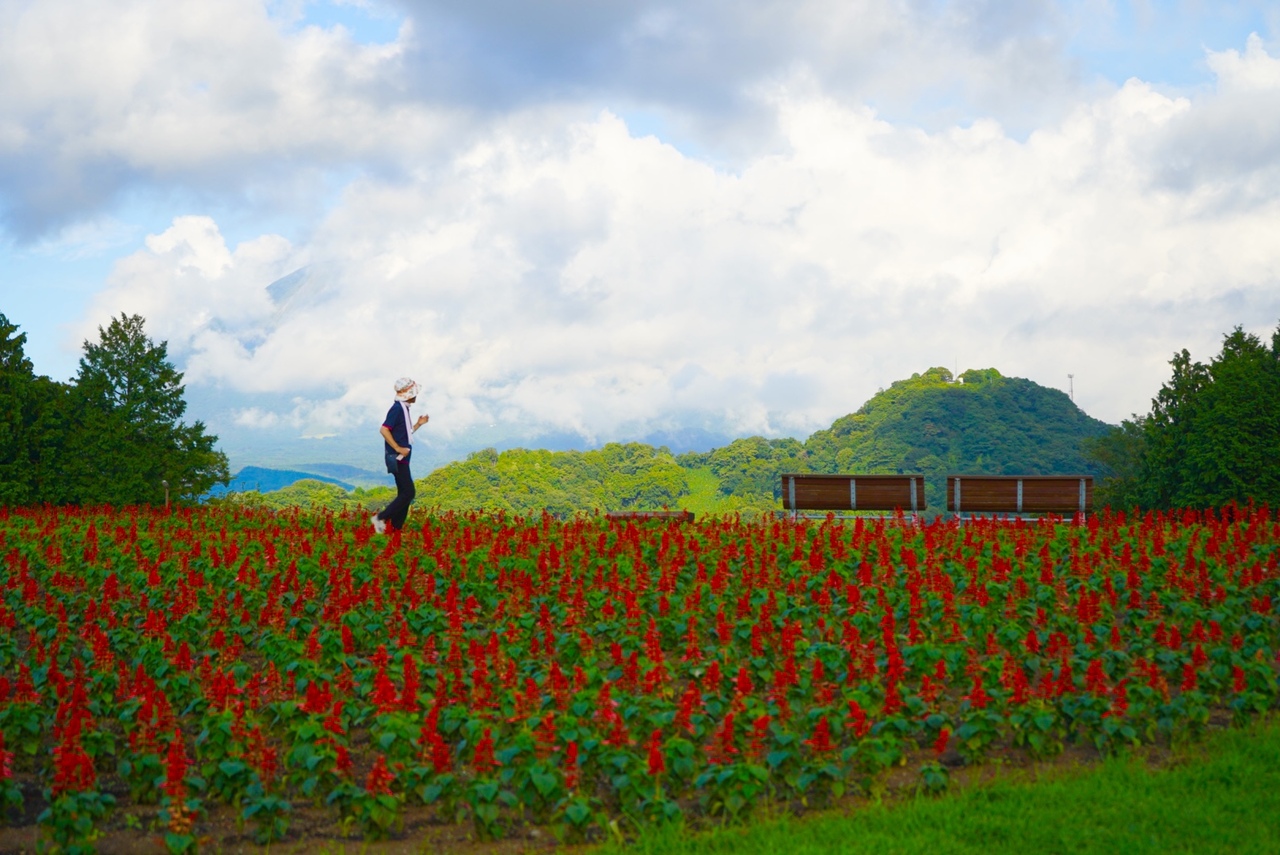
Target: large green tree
129, 438
1212, 436
30, 428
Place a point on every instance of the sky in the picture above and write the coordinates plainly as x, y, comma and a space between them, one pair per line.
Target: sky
584, 221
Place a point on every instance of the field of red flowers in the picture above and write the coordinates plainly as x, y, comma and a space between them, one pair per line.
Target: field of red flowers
503, 673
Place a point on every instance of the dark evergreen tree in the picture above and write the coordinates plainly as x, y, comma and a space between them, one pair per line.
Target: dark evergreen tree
128, 437
18, 409
1212, 436
1119, 455
30, 432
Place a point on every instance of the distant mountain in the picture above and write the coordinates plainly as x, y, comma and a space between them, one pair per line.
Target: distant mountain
265, 480
350, 474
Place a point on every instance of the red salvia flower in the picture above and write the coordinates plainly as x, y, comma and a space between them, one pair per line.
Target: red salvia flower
978, 697
409, 694
759, 735
820, 741
175, 769
944, 737
1119, 701
571, 766
73, 768
483, 761
858, 720
6, 761
723, 745
343, 761
380, 778
657, 762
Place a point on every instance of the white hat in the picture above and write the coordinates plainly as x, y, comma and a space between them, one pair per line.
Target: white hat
406, 388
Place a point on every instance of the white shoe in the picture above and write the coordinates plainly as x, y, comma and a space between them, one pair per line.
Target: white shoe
380, 526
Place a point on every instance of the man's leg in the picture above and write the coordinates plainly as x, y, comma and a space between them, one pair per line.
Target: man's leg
398, 511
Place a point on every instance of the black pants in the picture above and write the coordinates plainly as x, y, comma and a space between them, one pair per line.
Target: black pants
396, 512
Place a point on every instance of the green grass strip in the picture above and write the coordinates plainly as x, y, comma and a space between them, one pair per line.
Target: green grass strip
1222, 796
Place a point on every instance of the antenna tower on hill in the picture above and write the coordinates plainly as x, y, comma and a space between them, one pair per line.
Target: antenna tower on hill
1071, 385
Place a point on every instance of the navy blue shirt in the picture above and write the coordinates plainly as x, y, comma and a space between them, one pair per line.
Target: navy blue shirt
395, 422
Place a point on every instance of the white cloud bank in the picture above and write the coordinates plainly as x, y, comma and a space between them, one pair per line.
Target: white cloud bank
571, 277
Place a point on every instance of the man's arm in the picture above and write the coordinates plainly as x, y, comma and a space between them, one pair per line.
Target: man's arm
391, 441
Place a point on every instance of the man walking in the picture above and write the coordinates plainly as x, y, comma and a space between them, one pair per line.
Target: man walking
397, 434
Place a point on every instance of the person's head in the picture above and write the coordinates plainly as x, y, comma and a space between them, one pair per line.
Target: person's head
406, 390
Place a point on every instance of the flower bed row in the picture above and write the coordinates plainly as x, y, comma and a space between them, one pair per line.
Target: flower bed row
574, 672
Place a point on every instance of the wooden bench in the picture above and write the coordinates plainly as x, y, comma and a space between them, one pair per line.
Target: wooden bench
852, 493
1020, 494
681, 516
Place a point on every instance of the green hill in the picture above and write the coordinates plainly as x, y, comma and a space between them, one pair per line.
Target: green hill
984, 423
631, 476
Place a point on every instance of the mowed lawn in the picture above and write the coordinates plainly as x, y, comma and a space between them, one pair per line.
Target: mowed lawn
1218, 795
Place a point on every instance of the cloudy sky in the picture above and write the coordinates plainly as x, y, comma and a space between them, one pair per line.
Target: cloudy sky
577, 221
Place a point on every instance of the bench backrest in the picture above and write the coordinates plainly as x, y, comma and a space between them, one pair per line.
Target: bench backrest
853, 492
1020, 494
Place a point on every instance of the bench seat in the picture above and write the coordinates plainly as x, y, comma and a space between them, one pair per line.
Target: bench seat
1020, 494
809, 492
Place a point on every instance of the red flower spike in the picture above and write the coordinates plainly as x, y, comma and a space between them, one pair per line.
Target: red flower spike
483, 761
175, 770
657, 761
821, 742
343, 761
858, 720
6, 761
944, 737
1238, 682
380, 778
571, 767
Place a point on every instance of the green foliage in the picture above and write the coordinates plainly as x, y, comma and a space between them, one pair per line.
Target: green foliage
1212, 436
1119, 454
748, 469
28, 430
616, 477
312, 494
113, 436
69, 823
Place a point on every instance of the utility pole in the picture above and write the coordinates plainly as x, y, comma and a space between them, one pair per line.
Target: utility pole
1071, 385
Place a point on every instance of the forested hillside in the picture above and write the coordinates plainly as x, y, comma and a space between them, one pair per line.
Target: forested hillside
615, 477
986, 423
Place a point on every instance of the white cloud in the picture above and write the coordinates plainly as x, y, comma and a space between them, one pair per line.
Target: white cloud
100, 98
459, 207
572, 278
1253, 71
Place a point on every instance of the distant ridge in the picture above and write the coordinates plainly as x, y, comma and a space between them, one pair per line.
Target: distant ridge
350, 474
265, 480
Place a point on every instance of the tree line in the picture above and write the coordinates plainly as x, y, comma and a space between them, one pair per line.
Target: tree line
114, 434
1212, 436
